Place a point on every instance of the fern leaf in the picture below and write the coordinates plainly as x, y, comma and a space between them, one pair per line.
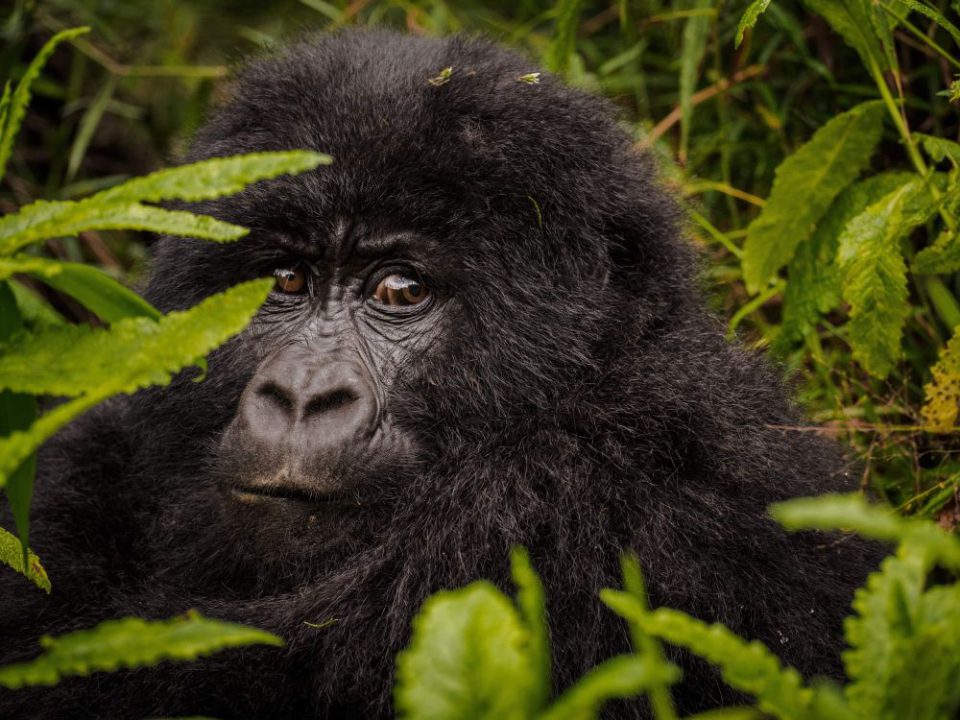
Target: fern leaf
746, 666
467, 659
209, 179
942, 405
625, 676
11, 553
16, 105
93, 288
875, 275
94, 364
130, 643
750, 17
814, 280
806, 184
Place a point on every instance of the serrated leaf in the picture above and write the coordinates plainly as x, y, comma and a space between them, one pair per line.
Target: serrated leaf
11, 553
94, 364
942, 393
130, 643
209, 179
746, 666
467, 659
877, 522
813, 289
806, 184
750, 17
42, 220
16, 103
939, 149
532, 605
874, 274
624, 676
93, 288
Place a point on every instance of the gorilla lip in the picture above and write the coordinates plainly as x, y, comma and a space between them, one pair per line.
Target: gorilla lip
282, 492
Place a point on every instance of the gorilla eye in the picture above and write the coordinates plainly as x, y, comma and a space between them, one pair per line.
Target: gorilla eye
290, 280
397, 290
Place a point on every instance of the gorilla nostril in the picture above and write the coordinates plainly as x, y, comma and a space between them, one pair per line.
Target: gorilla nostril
276, 395
328, 402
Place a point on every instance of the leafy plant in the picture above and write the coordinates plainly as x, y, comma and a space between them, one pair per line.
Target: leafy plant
130, 643
474, 655
140, 347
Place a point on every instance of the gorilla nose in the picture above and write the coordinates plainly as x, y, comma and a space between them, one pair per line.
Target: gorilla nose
323, 404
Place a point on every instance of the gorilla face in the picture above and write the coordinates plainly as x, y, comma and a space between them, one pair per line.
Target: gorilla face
346, 317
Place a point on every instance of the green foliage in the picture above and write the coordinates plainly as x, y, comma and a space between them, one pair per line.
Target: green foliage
11, 553
472, 654
750, 17
140, 347
943, 391
130, 643
817, 172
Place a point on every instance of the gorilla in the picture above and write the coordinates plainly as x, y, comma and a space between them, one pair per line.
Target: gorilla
486, 331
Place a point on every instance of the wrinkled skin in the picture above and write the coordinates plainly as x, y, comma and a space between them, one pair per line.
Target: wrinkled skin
561, 387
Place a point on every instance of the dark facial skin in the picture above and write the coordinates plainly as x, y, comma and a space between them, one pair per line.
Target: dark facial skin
314, 427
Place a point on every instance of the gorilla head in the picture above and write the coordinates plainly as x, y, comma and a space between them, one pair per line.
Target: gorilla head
484, 332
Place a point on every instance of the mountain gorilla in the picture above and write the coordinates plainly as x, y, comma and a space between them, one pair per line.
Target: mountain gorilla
485, 332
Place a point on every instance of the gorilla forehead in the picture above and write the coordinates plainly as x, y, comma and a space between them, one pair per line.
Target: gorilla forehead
453, 153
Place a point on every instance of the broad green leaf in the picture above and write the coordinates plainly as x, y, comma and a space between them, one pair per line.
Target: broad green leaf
467, 659
806, 184
874, 274
16, 103
624, 676
746, 666
853, 513
209, 179
814, 279
696, 31
533, 610
750, 17
852, 20
564, 35
43, 220
942, 393
93, 288
130, 643
11, 553
94, 364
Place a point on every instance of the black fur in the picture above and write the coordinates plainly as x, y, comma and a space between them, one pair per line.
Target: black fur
580, 402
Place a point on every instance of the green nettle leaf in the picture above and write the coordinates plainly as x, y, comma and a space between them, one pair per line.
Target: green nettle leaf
877, 522
746, 666
942, 405
875, 274
939, 149
120, 208
14, 105
942, 257
94, 364
750, 17
625, 676
93, 288
130, 643
11, 553
532, 606
806, 184
468, 659
813, 289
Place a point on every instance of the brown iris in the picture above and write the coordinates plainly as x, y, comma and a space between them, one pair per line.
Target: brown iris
290, 280
398, 290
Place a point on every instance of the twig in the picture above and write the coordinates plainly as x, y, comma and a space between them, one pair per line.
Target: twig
699, 97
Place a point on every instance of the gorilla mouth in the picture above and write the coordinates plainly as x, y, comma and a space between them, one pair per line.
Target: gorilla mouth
297, 493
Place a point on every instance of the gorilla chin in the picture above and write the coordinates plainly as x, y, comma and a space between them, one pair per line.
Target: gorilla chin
485, 331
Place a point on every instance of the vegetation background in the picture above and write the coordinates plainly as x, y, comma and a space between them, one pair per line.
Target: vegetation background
123, 100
